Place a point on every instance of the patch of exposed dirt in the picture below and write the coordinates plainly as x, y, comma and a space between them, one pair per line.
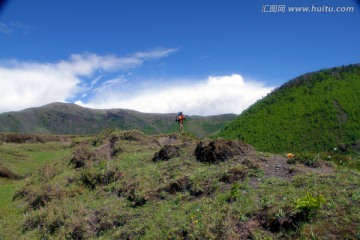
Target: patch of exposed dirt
278, 166
272, 220
271, 164
133, 136
167, 152
185, 184
234, 174
108, 150
103, 152
169, 139
180, 185
245, 230
269, 219
6, 173
221, 150
322, 168
32, 138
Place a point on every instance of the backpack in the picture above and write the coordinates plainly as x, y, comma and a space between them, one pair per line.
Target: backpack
180, 118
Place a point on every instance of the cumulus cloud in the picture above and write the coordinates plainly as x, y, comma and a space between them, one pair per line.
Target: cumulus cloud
215, 95
29, 84
86, 76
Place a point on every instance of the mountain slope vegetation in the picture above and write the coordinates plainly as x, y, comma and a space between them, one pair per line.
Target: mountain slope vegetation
313, 112
128, 185
65, 118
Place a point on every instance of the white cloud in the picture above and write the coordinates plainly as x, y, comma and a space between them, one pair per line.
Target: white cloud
95, 81
5, 28
109, 84
9, 28
216, 95
31, 84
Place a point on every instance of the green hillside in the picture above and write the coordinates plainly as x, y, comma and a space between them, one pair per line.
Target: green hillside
314, 112
64, 118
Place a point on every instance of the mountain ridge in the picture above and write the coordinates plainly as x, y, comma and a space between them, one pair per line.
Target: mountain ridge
69, 118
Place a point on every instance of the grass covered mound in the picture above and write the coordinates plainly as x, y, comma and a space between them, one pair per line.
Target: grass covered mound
314, 112
6, 173
128, 185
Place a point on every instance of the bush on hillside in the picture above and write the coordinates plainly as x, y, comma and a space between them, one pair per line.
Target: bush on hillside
81, 154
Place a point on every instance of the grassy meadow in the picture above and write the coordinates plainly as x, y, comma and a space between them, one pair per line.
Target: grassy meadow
23, 160
128, 185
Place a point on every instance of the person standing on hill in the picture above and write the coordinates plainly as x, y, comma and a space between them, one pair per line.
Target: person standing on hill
181, 118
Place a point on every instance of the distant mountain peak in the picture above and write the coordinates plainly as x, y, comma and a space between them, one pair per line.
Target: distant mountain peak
69, 118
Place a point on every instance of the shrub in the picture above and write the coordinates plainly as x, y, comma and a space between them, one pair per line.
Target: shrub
234, 192
308, 159
81, 154
93, 177
309, 204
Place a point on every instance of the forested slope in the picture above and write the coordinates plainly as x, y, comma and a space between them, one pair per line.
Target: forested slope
313, 112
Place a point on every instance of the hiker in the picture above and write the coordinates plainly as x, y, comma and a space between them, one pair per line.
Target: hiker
181, 118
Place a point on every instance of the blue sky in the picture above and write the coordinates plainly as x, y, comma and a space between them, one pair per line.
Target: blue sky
201, 57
